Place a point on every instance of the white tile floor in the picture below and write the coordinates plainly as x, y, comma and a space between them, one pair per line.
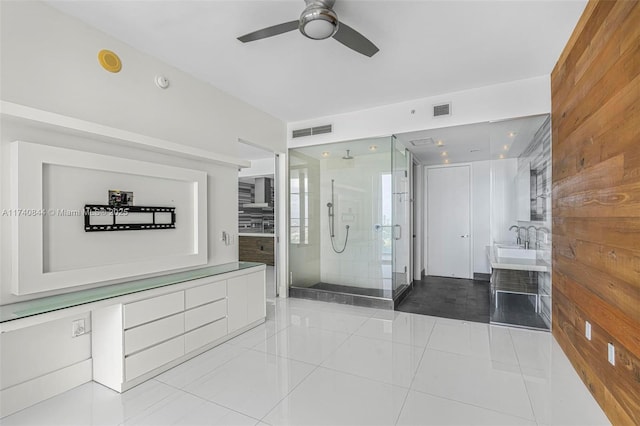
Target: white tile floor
315, 363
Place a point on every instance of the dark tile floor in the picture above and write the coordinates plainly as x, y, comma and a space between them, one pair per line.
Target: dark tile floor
449, 298
338, 288
518, 310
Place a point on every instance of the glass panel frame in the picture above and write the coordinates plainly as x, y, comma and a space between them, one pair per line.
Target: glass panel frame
401, 205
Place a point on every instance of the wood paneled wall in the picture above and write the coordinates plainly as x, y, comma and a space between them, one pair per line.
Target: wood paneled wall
596, 203
256, 249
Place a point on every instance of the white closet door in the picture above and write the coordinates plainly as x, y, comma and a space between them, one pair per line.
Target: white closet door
449, 221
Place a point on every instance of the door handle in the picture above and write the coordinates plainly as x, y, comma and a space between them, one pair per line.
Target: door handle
465, 236
399, 234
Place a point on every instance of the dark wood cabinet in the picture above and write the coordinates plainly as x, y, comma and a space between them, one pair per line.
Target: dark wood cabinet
257, 249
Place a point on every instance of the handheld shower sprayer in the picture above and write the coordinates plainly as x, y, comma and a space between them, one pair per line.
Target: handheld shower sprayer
330, 213
331, 216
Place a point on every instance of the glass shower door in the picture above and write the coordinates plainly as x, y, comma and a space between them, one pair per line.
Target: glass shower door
401, 205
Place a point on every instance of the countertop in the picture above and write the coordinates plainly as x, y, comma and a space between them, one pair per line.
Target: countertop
516, 264
255, 234
113, 292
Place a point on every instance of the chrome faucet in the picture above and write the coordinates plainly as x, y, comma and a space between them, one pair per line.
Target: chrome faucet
527, 242
541, 229
518, 240
524, 241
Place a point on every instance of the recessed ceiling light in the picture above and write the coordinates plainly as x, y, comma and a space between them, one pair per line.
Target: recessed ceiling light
512, 134
440, 143
325, 154
373, 148
444, 153
506, 147
501, 156
446, 161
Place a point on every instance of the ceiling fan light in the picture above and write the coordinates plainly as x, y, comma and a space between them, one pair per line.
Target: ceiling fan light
318, 23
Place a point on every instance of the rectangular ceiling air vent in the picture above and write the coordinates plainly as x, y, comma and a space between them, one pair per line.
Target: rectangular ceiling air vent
422, 142
442, 110
301, 133
309, 131
318, 130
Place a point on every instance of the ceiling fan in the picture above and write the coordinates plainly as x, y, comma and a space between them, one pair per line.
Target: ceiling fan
318, 21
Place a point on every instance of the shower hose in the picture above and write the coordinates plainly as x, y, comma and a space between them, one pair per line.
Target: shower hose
332, 236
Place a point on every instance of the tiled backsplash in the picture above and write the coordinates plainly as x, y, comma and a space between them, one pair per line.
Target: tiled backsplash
253, 219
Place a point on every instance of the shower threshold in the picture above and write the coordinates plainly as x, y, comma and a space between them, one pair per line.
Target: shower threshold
349, 295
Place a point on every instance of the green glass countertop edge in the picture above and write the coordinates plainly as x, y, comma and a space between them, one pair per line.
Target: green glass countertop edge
47, 304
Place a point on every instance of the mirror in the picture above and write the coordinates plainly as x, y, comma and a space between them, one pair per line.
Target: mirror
533, 179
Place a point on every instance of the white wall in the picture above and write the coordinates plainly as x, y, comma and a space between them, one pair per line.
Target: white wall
503, 199
221, 214
262, 167
481, 220
515, 99
49, 61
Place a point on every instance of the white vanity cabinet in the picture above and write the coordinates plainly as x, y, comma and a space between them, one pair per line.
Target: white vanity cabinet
245, 300
132, 342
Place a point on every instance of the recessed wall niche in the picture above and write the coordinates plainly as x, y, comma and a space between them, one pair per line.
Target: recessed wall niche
52, 250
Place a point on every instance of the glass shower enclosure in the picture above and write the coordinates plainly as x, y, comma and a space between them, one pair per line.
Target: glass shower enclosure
349, 223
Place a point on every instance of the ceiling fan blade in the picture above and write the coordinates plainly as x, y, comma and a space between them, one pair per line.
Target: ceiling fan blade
354, 40
270, 31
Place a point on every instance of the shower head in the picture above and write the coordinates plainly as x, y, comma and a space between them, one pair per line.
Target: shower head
348, 156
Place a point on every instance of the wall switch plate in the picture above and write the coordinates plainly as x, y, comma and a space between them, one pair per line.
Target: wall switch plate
611, 352
78, 328
587, 330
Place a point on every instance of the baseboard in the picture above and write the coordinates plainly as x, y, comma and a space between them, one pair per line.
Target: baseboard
481, 277
23, 395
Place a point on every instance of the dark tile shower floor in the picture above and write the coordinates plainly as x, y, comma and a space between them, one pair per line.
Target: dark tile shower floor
454, 298
337, 288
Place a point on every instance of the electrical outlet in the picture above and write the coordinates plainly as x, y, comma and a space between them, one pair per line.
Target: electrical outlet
587, 330
78, 328
611, 352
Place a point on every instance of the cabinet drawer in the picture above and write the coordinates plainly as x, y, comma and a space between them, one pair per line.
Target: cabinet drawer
205, 314
205, 294
204, 335
151, 333
151, 309
154, 357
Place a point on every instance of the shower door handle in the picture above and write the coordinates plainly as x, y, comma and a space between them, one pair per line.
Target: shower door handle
398, 234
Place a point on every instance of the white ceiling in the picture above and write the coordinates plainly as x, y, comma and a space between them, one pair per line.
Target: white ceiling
474, 142
426, 47
357, 148
250, 152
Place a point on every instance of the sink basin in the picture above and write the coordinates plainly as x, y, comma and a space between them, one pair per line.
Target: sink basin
514, 252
